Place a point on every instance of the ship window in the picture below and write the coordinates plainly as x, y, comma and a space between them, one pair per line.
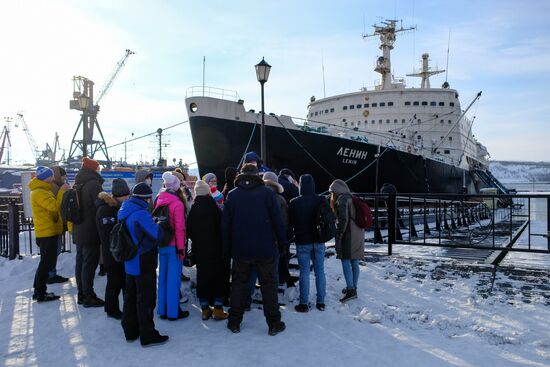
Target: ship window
332, 110
351, 107
326, 111
416, 103
450, 122
390, 104
311, 114
408, 103
403, 121
366, 105
419, 120
382, 104
345, 108
424, 103
316, 113
374, 122
433, 103
447, 151
452, 104
358, 106
395, 121
387, 121
374, 105
193, 107
379, 121
442, 121
343, 120
345, 124
419, 137
358, 123
442, 103
442, 137
450, 138
351, 124
320, 112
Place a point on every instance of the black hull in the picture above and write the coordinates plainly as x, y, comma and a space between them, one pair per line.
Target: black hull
220, 143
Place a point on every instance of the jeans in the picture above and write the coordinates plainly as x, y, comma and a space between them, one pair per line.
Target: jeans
48, 247
53, 272
351, 272
169, 282
205, 302
305, 254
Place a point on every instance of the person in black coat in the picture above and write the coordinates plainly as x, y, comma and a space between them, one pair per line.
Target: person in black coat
106, 218
252, 225
88, 182
204, 230
287, 179
303, 220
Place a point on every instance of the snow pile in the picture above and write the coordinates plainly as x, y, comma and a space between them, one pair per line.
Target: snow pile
410, 312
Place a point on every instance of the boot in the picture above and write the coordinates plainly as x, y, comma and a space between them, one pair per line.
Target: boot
47, 297
233, 327
156, 339
181, 315
57, 279
80, 298
302, 307
351, 293
93, 301
219, 314
206, 313
276, 328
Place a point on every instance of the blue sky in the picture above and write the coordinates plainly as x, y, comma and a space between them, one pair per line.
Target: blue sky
499, 47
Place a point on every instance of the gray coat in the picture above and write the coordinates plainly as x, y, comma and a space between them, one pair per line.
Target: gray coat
350, 239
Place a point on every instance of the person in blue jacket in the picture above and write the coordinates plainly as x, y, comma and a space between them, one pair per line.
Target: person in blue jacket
252, 226
253, 158
141, 276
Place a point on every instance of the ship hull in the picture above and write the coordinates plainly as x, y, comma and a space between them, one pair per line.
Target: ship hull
221, 143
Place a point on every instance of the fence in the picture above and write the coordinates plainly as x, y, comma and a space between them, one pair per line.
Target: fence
17, 232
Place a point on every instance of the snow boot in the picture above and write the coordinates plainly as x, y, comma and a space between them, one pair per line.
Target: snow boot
320, 306
219, 314
351, 293
276, 328
302, 307
233, 327
206, 313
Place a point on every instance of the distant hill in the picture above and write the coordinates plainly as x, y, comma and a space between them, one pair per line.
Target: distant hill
514, 171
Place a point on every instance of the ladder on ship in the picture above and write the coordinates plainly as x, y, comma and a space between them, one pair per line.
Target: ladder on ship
491, 181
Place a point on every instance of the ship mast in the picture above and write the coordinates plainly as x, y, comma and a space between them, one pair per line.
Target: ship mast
426, 72
387, 31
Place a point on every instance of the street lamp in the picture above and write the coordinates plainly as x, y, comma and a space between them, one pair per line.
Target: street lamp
262, 74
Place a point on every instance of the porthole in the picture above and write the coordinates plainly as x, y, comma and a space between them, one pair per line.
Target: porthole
193, 107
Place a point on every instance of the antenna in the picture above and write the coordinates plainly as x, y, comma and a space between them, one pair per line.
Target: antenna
448, 47
323, 67
203, 71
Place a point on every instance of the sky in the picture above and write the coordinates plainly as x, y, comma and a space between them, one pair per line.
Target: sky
501, 48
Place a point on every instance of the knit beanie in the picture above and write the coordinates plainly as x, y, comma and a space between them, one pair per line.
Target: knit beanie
208, 177
249, 169
142, 191
201, 188
43, 173
90, 164
171, 182
251, 157
120, 188
218, 196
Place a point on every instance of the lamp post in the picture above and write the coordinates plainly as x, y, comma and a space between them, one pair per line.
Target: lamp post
262, 74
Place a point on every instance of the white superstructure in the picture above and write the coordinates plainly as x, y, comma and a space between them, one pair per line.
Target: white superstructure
425, 121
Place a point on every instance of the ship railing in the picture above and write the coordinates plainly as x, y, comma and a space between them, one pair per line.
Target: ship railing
205, 91
496, 224
17, 231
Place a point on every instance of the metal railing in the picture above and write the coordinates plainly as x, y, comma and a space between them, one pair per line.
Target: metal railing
205, 91
486, 222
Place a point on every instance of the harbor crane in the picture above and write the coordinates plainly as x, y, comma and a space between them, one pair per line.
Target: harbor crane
20, 120
83, 100
5, 137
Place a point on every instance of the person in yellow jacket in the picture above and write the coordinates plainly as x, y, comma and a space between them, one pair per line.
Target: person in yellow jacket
45, 213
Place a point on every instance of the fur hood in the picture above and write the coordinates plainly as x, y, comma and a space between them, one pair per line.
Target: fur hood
275, 186
108, 199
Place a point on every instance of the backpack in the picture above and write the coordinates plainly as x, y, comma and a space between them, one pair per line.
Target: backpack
70, 206
325, 222
161, 215
363, 215
121, 244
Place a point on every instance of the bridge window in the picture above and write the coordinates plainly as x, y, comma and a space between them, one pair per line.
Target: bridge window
351, 107
452, 104
424, 103
326, 111
366, 105
332, 110
433, 103
408, 103
382, 104
345, 108
395, 121
358, 106
387, 121
442, 103
447, 151
374, 104
403, 121
416, 103
316, 113
390, 104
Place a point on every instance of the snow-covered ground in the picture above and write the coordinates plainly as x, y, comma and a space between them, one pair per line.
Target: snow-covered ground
411, 311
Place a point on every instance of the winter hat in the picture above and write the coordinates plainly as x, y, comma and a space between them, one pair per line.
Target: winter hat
142, 191
251, 157
43, 173
249, 169
271, 180
201, 188
179, 176
120, 188
270, 176
209, 177
338, 187
217, 195
171, 182
142, 175
90, 164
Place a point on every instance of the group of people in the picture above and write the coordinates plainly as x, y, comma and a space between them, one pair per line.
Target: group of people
237, 235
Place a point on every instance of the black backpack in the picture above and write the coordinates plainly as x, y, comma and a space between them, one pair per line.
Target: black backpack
161, 215
325, 222
70, 206
121, 244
